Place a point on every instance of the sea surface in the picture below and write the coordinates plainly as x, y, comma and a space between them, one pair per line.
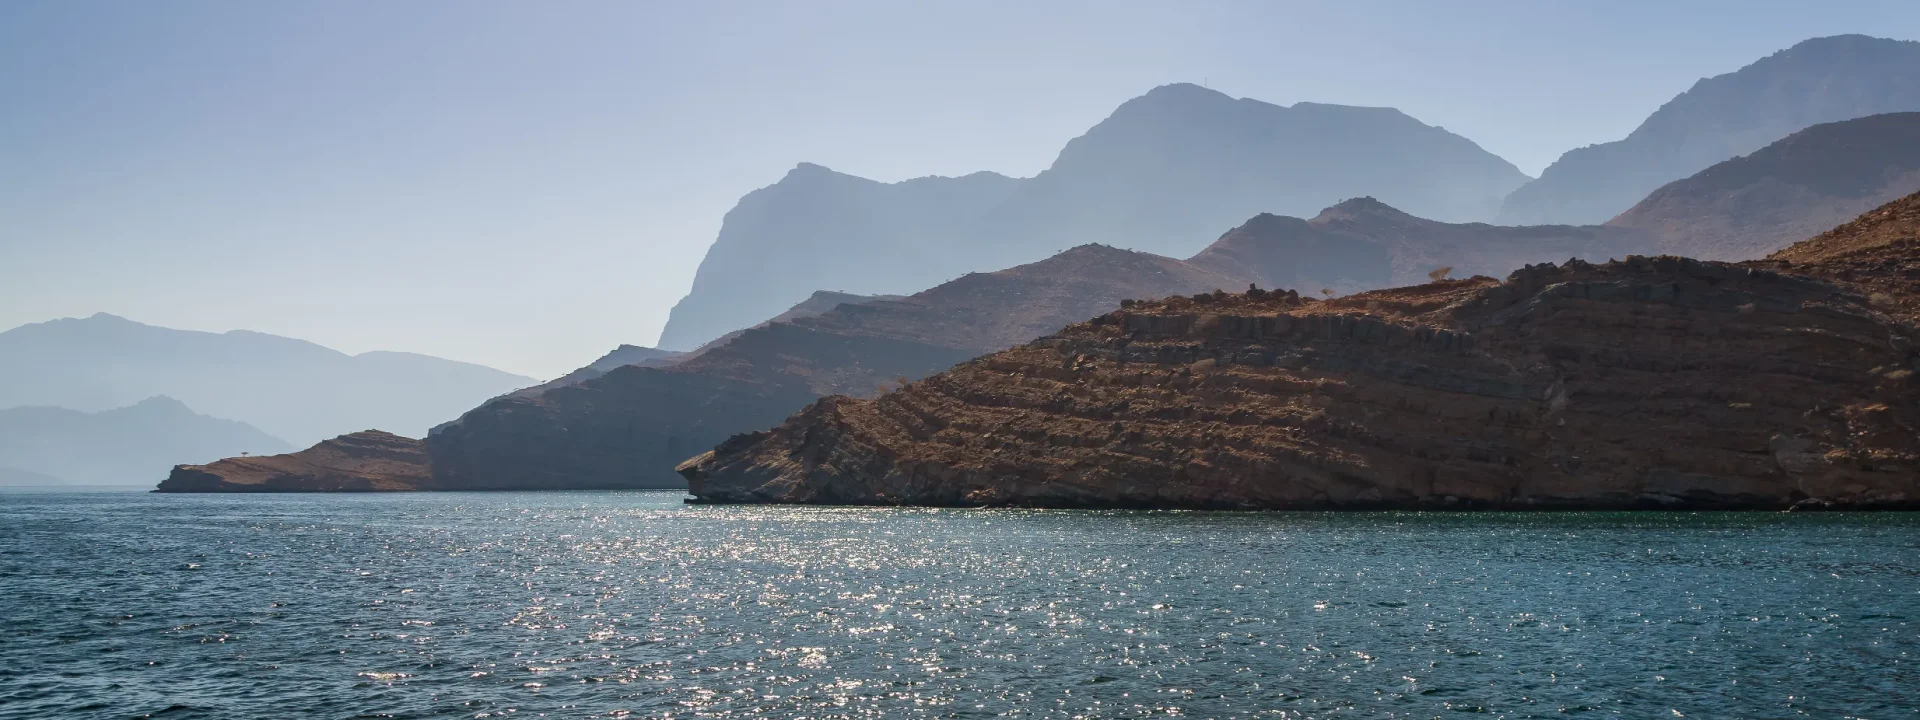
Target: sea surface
606, 605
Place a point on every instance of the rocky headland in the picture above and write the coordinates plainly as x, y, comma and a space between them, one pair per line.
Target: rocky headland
366, 461
1656, 382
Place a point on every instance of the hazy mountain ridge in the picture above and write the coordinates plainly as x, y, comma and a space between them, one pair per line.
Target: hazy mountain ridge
1812, 180
1816, 81
1162, 174
124, 446
292, 389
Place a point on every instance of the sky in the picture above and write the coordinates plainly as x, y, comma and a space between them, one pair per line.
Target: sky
527, 185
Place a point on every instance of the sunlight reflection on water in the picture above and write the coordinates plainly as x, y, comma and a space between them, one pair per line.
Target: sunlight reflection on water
599, 604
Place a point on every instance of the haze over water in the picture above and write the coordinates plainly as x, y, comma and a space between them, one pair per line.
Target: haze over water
608, 605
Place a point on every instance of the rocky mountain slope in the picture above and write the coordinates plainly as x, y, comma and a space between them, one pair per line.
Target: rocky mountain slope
618, 357
1651, 382
1876, 255
1817, 81
1165, 172
291, 389
366, 461
124, 446
1747, 207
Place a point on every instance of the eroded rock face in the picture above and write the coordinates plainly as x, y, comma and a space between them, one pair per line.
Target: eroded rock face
1653, 382
366, 461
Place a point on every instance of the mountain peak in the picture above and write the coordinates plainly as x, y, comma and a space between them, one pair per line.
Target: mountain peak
161, 402
1184, 92
1850, 40
1362, 207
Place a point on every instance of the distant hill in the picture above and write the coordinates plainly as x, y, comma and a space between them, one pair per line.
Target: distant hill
1821, 80
1365, 244
127, 446
1162, 174
15, 477
291, 389
1809, 182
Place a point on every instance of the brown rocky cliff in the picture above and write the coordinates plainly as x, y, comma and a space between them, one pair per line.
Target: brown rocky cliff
1654, 382
365, 461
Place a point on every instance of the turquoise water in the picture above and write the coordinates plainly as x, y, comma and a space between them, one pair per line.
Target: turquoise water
576, 605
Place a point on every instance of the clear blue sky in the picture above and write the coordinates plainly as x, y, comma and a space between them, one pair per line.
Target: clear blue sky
527, 184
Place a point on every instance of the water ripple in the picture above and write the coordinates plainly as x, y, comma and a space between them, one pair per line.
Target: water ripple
607, 605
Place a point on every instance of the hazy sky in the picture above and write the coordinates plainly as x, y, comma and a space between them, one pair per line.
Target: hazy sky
527, 184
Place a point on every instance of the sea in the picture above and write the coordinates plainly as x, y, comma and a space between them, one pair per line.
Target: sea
636, 605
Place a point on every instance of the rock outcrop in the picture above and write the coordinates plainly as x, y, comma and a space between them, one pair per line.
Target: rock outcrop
1747, 207
634, 423
1817, 81
1651, 382
1163, 174
366, 461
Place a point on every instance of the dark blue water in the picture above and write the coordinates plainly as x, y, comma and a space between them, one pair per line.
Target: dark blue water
614, 605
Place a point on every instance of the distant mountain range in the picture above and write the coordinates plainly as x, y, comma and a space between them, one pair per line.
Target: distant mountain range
290, 389
1164, 172
125, 446
1817, 81
1809, 182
